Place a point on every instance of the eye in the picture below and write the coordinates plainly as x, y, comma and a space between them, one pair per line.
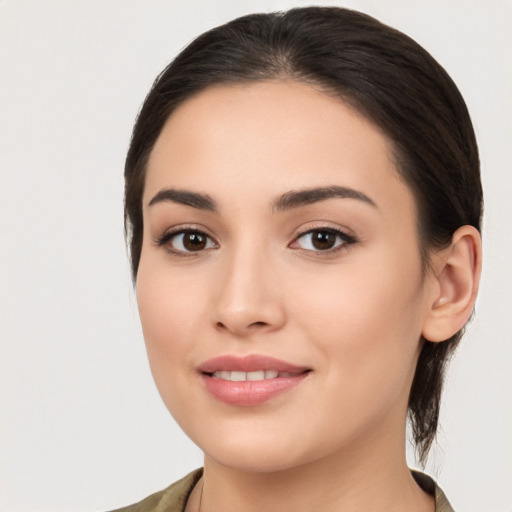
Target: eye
187, 241
323, 240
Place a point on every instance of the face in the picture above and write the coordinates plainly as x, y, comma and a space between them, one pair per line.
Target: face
280, 285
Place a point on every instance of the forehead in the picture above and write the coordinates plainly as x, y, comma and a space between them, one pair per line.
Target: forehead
268, 136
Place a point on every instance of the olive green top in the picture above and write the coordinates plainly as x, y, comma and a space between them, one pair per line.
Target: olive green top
174, 498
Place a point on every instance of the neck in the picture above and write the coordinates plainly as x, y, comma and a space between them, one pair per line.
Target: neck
360, 479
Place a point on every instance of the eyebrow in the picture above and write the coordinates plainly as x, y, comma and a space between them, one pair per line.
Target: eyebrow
186, 197
298, 198
287, 201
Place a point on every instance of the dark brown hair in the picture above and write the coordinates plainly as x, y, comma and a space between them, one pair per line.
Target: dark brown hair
388, 78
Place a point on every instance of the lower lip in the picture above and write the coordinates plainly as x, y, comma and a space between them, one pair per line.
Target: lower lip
247, 393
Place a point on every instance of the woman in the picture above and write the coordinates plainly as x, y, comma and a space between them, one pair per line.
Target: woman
303, 207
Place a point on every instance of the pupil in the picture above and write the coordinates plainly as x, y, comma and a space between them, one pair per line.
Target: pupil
323, 240
194, 241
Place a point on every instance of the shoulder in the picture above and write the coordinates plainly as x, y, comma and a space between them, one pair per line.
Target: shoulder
172, 499
429, 485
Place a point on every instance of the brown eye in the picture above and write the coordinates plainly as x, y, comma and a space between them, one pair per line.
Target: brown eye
323, 240
319, 240
194, 241
188, 241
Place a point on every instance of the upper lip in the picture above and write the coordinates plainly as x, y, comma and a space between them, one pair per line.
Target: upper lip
250, 363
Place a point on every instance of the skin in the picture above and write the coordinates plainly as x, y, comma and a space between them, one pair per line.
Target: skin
354, 316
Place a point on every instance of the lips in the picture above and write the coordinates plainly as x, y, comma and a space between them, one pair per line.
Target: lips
249, 380
237, 376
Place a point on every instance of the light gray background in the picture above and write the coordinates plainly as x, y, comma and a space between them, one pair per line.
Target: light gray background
82, 427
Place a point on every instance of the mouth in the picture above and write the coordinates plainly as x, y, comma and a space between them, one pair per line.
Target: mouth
238, 376
249, 380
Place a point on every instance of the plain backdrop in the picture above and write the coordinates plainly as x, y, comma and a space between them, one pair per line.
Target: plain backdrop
82, 427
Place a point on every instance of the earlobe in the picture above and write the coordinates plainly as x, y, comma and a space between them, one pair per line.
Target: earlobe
455, 285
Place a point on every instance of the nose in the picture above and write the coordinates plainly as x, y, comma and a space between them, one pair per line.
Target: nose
249, 299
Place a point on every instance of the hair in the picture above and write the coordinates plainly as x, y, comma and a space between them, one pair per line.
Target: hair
388, 78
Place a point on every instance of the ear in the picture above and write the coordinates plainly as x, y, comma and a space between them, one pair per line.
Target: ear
455, 280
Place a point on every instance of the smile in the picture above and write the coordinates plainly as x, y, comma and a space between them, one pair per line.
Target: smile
250, 380
237, 376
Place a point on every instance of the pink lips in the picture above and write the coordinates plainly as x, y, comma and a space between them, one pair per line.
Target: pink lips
249, 392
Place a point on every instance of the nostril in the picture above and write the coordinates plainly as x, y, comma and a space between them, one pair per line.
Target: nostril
258, 324
253, 325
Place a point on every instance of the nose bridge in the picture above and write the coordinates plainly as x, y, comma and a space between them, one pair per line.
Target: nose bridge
248, 297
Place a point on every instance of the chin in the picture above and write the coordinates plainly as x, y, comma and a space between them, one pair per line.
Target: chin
259, 450
254, 460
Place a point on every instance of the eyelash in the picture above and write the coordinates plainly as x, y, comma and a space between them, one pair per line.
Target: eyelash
168, 236
345, 239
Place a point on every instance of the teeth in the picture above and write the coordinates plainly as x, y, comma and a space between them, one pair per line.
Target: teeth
251, 376
256, 375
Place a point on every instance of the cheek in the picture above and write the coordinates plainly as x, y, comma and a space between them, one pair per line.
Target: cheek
163, 311
169, 310
364, 296
365, 321
170, 300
